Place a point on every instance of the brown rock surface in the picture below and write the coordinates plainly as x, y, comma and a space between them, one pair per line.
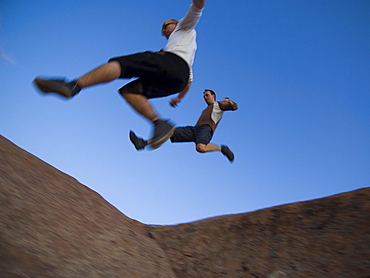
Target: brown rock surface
328, 237
53, 226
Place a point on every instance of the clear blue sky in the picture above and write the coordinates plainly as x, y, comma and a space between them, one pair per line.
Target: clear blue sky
299, 70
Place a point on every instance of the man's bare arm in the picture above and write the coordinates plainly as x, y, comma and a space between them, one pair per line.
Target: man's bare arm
175, 101
228, 104
199, 3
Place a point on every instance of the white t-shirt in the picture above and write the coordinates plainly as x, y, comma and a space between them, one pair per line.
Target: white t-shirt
182, 41
217, 113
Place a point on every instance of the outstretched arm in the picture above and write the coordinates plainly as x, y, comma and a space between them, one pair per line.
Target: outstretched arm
228, 104
175, 101
199, 3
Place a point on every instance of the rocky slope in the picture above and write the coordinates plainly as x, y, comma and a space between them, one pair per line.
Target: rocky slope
327, 237
53, 226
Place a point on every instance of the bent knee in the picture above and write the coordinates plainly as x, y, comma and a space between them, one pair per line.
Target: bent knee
200, 148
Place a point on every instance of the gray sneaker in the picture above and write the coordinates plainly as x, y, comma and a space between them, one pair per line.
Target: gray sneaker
139, 143
162, 131
227, 152
58, 86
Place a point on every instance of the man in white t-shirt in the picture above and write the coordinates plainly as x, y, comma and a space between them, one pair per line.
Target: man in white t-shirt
160, 74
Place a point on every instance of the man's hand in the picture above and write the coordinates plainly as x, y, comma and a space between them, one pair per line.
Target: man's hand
199, 3
174, 102
228, 104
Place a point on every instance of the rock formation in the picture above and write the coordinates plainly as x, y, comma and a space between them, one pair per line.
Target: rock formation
53, 226
328, 237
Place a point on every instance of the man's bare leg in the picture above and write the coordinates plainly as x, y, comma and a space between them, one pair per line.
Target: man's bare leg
162, 129
103, 74
202, 148
141, 105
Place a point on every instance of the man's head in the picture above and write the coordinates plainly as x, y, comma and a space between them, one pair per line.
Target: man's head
209, 96
168, 26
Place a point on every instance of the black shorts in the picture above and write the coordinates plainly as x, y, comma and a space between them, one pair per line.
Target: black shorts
160, 73
198, 134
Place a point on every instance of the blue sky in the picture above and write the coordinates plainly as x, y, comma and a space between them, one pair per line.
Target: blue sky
299, 70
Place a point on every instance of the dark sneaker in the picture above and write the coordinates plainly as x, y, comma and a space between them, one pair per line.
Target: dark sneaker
162, 131
139, 143
58, 86
227, 152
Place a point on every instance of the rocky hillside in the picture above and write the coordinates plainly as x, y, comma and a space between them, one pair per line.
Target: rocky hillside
53, 226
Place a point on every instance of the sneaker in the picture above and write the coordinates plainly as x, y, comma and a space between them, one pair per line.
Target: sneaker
58, 86
227, 152
139, 143
162, 131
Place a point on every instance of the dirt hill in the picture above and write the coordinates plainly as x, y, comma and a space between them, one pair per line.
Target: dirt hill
53, 226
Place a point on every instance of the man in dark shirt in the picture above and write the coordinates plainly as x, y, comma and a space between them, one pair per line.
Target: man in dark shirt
202, 133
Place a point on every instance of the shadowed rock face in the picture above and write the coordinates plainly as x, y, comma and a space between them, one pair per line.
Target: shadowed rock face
53, 226
328, 237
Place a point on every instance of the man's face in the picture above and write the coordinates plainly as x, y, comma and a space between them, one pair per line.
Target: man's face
167, 27
208, 97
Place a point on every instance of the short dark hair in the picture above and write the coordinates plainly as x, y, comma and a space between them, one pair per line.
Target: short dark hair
211, 91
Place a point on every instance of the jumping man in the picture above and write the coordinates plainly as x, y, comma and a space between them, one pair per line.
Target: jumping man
202, 133
160, 74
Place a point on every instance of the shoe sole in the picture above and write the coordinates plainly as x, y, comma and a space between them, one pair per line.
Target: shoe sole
159, 142
47, 86
231, 157
229, 154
